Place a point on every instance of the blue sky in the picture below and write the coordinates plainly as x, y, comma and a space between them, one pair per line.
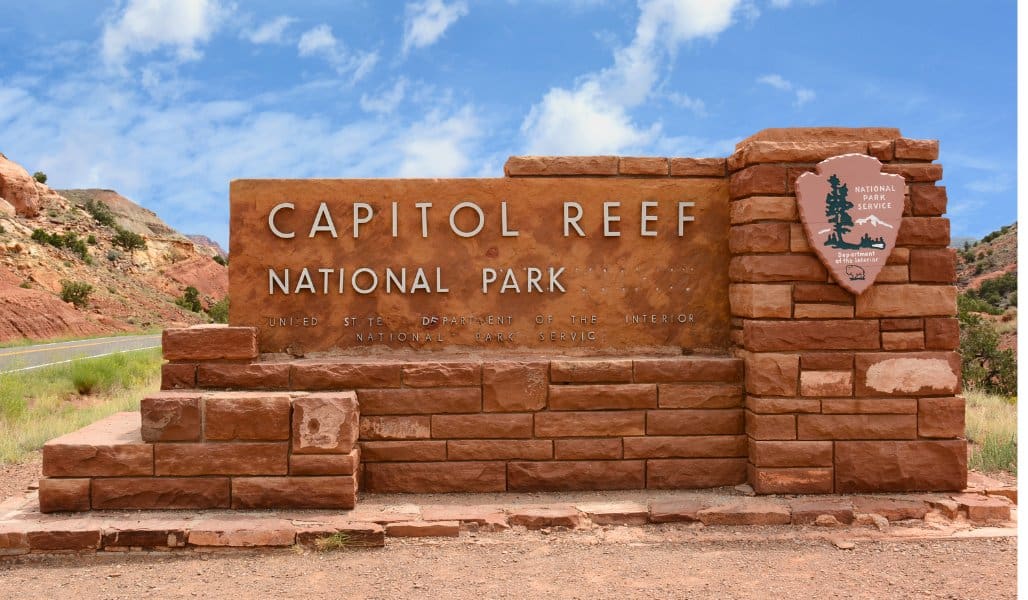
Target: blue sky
166, 101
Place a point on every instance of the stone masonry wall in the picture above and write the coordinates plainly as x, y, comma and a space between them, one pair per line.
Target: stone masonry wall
844, 393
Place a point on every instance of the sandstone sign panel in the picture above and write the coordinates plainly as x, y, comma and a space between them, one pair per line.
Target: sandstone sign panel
584, 266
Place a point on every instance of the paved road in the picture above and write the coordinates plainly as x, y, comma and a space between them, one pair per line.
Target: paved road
24, 358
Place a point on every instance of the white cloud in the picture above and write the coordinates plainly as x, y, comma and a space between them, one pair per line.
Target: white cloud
427, 21
320, 42
387, 101
148, 25
271, 32
594, 115
802, 95
439, 146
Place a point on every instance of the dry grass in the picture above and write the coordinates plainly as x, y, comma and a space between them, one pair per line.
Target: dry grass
38, 405
992, 432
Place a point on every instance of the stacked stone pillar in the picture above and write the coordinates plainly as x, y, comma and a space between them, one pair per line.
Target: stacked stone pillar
844, 393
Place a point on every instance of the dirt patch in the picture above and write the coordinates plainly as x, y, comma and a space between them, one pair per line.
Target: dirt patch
17, 478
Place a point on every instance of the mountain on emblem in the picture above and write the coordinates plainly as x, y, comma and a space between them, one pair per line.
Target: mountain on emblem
836, 203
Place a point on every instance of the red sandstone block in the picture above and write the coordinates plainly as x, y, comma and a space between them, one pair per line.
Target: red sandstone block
767, 151
772, 374
70, 495
654, 166
928, 200
486, 518
442, 374
873, 406
344, 376
615, 513
901, 324
404, 451
792, 174
763, 208
770, 427
771, 336
149, 493
694, 422
712, 446
984, 509
923, 231
548, 166
856, 427
777, 406
210, 342
293, 492
357, 535
882, 150
242, 533
936, 265
820, 292
514, 386
746, 513
64, 535
252, 458
917, 149
770, 453
587, 449
826, 383
915, 172
590, 424
177, 376
805, 511
759, 237
907, 374
940, 417
266, 376
170, 417
591, 371
600, 397
699, 395
524, 476
941, 334
900, 466
798, 239
541, 517
144, 534
823, 311
908, 301
675, 511
499, 449
757, 180
440, 477
786, 267
482, 426
325, 464
903, 340
326, 423
111, 447
246, 416
893, 509
834, 361
697, 167
395, 428
423, 529
691, 473
407, 401
760, 300
894, 274
790, 481
687, 369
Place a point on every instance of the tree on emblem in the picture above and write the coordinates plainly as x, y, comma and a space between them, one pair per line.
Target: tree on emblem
837, 210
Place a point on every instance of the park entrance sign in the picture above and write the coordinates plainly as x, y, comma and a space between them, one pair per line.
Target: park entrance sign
576, 266
582, 323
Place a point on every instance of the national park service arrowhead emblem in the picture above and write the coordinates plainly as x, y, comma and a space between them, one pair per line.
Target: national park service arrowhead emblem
851, 212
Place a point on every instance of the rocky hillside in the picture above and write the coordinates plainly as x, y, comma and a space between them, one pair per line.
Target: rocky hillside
135, 264
987, 277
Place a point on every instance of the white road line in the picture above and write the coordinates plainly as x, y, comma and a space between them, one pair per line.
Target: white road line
115, 337
61, 362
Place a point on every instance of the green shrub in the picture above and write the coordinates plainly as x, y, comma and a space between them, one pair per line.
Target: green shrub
91, 240
76, 292
190, 300
984, 366
219, 311
2, 229
39, 176
25, 285
68, 240
221, 260
101, 212
128, 240
113, 255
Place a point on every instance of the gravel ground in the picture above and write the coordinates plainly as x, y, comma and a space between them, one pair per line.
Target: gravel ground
16, 478
620, 562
